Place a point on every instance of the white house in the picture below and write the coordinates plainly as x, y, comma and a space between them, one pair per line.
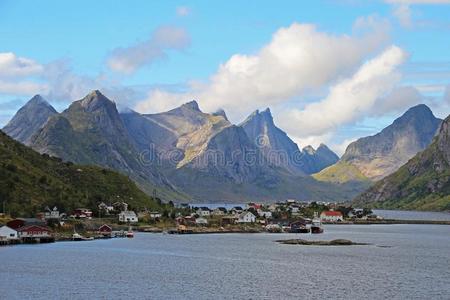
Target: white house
155, 215
331, 216
52, 213
203, 212
128, 216
265, 214
201, 221
246, 217
295, 209
219, 211
8, 233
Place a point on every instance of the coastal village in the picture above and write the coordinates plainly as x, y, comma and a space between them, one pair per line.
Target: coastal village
118, 220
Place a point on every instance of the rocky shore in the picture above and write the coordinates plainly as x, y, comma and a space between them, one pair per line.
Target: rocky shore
337, 242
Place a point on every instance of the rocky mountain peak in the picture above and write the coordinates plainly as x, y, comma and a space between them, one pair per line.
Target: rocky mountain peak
309, 149
220, 112
30, 118
193, 105
95, 100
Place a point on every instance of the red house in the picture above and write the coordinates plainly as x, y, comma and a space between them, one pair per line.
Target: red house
105, 230
35, 233
18, 223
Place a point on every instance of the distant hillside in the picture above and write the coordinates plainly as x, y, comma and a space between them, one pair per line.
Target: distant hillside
423, 183
30, 181
374, 157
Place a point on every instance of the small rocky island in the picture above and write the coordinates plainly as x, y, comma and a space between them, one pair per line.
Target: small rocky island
337, 242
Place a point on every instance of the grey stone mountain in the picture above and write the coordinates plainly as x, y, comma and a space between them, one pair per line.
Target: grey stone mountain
280, 150
316, 160
184, 153
204, 154
374, 157
423, 183
29, 119
91, 131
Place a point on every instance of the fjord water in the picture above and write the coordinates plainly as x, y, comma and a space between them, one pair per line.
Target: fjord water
413, 263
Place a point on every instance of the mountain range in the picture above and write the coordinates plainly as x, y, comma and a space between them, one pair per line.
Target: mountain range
372, 158
188, 155
422, 183
184, 154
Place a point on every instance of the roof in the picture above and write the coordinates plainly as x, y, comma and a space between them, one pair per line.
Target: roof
30, 227
245, 213
128, 213
332, 213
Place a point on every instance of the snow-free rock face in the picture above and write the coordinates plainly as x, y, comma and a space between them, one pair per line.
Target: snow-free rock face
29, 119
316, 160
377, 156
422, 183
280, 150
91, 131
184, 153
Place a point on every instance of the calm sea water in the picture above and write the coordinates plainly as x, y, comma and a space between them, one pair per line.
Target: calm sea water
413, 215
235, 266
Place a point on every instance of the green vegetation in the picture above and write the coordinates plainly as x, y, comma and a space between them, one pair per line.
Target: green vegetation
422, 184
30, 181
341, 172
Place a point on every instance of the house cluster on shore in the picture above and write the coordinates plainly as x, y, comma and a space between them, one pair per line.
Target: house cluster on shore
29, 230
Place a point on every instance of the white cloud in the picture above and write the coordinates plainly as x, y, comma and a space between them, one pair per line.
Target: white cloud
398, 101
22, 88
12, 66
299, 58
183, 11
402, 9
350, 99
16, 75
127, 60
403, 13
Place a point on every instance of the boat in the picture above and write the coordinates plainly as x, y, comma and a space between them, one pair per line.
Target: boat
300, 229
130, 233
78, 237
316, 226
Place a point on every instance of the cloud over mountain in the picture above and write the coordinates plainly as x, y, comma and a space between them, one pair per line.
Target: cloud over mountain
299, 58
165, 38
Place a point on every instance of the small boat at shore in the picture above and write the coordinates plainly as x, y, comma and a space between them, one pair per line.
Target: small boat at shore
316, 226
130, 233
78, 237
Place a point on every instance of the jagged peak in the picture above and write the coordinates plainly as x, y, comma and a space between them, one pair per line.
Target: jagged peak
323, 146
265, 115
39, 100
417, 111
192, 105
309, 149
94, 100
220, 112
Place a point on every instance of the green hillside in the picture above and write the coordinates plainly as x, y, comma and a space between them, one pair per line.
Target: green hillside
30, 181
421, 184
341, 172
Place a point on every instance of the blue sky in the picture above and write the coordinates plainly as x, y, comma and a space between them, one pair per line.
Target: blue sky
153, 55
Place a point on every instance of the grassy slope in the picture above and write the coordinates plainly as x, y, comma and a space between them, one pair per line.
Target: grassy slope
340, 172
412, 192
30, 181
